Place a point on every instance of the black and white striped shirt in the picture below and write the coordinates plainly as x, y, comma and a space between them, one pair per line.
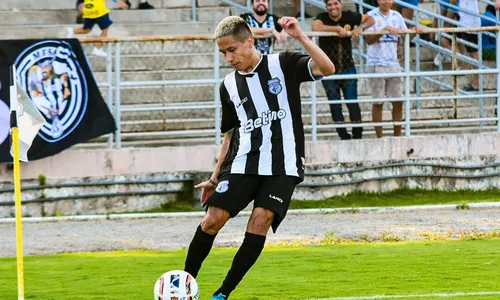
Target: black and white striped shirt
264, 110
264, 45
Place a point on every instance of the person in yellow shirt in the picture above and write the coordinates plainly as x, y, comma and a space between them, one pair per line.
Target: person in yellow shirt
96, 12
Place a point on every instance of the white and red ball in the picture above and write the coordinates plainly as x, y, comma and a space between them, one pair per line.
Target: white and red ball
176, 285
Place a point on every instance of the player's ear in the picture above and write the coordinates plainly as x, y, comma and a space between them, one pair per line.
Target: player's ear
250, 42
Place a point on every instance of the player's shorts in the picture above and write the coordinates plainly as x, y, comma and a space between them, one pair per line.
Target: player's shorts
103, 22
235, 191
411, 2
382, 87
471, 38
452, 8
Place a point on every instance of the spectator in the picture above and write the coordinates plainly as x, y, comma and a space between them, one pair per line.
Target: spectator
382, 54
95, 12
469, 20
339, 50
489, 43
450, 12
261, 23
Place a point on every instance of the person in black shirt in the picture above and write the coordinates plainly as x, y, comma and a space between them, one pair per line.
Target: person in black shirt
348, 25
261, 23
262, 154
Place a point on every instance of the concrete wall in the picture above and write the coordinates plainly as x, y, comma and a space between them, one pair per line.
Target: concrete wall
87, 163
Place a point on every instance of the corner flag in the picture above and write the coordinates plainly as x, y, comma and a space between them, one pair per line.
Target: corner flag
25, 122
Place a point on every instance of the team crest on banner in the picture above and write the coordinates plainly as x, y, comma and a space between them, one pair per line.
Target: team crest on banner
275, 86
52, 77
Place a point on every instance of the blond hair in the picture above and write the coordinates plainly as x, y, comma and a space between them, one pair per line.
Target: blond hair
233, 26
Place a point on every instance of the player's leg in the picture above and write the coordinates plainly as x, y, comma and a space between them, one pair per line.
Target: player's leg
271, 204
104, 24
232, 195
88, 24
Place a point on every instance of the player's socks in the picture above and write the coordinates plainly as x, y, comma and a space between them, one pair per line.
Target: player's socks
198, 250
244, 259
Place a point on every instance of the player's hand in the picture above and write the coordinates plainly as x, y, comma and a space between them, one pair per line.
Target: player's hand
291, 26
207, 189
356, 32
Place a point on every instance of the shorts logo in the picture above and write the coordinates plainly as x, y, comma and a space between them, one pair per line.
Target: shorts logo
222, 187
51, 76
274, 86
276, 198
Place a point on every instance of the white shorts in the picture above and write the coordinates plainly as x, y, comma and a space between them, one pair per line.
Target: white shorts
391, 87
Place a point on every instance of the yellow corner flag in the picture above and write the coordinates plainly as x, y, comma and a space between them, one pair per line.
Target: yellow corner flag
25, 122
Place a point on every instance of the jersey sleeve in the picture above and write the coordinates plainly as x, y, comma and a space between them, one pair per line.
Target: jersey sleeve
356, 18
229, 116
298, 64
321, 17
402, 24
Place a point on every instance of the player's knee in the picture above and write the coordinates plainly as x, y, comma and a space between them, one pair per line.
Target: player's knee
214, 220
261, 221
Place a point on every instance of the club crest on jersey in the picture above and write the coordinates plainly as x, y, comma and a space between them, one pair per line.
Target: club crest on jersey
51, 76
222, 187
275, 86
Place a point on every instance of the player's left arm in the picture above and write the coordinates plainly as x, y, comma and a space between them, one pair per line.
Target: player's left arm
320, 65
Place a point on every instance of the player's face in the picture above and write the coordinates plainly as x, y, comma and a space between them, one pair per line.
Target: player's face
334, 8
237, 53
260, 7
46, 71
385, 5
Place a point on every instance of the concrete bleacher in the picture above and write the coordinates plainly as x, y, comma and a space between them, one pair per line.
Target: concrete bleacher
150, 61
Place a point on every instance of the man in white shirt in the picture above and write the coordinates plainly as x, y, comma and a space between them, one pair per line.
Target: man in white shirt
383, 58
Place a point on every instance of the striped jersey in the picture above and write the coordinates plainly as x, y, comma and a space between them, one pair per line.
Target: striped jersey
263, 110
264, 45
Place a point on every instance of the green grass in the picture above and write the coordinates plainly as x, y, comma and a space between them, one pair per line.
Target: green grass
399, 197
402, 197
281, 273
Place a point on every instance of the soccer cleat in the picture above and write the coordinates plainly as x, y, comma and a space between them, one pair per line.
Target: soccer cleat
145, 5
70, 33
219, 296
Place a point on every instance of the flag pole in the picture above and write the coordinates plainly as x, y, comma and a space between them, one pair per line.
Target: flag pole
17, 183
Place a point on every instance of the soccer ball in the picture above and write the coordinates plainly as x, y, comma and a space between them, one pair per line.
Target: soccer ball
176, 285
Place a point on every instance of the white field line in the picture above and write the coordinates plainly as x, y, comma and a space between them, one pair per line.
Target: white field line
438, 295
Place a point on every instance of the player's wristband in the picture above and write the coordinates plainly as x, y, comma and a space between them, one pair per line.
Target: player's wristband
212, 182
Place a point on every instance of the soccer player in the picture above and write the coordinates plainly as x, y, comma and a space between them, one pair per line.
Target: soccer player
95, 12
262, 154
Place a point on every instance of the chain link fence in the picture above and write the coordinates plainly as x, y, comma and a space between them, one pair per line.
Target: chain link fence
168, 91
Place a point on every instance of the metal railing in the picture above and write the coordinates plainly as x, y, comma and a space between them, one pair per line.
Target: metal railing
114, 85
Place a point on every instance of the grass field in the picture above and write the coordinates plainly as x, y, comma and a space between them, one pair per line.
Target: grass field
310, 272
399, 197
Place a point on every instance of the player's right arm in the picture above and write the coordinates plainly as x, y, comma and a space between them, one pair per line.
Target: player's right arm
229, 123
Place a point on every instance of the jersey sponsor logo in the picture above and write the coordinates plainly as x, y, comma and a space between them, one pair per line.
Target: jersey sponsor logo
51, 76
266, 119
275, 86
276, 198
222, 187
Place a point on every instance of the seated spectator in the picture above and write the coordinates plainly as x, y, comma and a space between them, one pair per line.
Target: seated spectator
95, 12
261, 22
489, 43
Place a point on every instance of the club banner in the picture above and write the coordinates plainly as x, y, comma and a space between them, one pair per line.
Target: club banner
56, 76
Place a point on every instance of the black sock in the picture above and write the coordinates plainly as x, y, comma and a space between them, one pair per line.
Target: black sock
198, 250
243, 260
